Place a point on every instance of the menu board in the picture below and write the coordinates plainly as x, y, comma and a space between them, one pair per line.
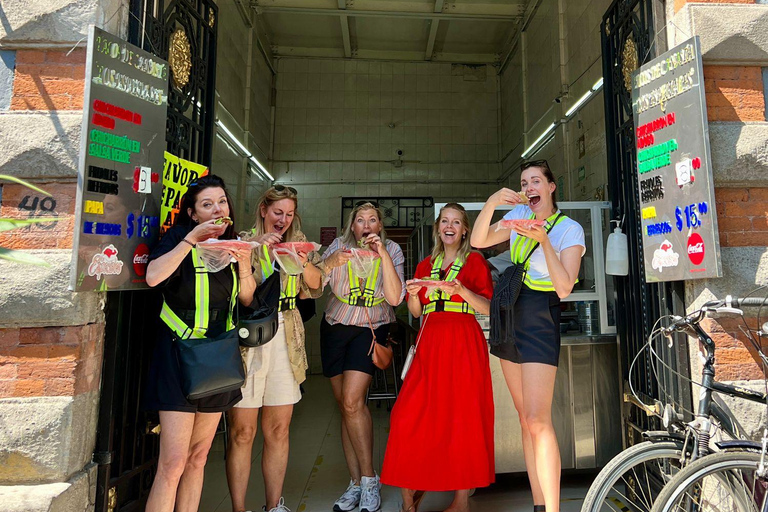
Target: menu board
674, 168
119, 183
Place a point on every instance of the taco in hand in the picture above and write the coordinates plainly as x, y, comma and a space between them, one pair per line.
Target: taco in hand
223, 220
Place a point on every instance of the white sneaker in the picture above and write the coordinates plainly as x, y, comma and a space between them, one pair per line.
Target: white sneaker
279, 508
370, 499
350, 499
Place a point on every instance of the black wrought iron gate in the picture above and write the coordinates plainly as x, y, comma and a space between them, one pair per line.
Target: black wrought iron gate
184, 33
633, 33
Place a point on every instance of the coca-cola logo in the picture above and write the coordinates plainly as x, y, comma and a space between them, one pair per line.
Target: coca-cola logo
140, 260
696, 249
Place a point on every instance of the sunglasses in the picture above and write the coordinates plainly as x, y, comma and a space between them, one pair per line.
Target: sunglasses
534, 163
207, 180
372, 203
282, 188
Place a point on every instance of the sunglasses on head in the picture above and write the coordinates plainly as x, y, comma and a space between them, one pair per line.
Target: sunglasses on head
282, 188
372, 203
206, 180
534, 163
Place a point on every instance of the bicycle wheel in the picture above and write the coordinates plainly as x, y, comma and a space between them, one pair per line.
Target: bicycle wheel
633, 479
720, 482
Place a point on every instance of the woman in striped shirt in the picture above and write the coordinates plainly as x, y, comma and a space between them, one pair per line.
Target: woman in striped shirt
354, 308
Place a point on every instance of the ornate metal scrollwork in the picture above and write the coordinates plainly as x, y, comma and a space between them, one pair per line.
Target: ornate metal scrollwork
180, 58
629, 62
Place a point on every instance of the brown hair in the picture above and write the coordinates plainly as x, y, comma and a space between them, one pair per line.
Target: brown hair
348, 237
439, 247
189, 199
271, 196
546, 171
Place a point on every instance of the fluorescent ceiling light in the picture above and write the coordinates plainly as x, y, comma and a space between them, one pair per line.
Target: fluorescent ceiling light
578, 103
226, 143
263, 169
530, 149
234, 139
598, 85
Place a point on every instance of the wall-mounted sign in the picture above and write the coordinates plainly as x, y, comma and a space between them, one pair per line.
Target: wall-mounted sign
119, 182
328, 235
674, 168
177, 176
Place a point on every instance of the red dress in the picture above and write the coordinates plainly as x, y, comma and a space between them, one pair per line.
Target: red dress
441, 427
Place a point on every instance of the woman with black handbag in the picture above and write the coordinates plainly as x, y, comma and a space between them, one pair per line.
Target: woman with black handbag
188, 425
276, 368
546, 248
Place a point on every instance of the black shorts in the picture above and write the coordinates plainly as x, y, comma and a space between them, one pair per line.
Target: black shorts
537, 330
163, 390
346, 347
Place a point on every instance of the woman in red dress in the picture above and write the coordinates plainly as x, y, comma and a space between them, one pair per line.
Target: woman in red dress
441, 429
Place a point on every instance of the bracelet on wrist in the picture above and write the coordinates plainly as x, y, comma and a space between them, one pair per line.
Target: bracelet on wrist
305, 264
190, 243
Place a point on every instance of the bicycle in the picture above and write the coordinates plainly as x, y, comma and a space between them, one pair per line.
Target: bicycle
636, 476
735, 478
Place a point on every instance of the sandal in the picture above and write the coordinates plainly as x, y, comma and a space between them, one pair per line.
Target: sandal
417, 497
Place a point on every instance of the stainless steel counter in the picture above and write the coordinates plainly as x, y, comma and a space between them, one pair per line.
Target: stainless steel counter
585, 410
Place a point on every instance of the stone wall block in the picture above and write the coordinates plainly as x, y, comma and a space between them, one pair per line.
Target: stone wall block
739, 154
60, 21
729, 34
40, 145
36, 296
46, 439
76, 495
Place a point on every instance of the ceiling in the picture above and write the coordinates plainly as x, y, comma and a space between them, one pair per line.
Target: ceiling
466, 31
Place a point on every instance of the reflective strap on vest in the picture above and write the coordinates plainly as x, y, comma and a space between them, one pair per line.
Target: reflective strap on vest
451, 307
436, 294
366, 295
287, 298
519, 251
202, 310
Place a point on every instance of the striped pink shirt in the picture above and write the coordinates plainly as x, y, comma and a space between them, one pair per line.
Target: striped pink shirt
338, 312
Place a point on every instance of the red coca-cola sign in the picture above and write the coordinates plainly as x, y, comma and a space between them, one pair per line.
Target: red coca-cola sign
695, 249
141, 259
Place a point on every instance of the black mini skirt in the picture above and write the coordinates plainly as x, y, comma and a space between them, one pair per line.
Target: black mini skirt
537, 329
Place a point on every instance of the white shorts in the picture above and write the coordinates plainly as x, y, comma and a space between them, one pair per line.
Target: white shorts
270, 379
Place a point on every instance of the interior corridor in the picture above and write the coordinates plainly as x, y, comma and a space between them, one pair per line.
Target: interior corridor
317, 473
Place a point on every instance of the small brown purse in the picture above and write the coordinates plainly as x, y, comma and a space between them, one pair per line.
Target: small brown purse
381, 354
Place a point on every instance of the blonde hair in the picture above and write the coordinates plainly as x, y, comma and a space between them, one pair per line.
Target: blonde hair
439, 247
348, 237
271, 196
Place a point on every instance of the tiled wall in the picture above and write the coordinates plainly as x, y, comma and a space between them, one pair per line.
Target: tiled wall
340, 123
531, 82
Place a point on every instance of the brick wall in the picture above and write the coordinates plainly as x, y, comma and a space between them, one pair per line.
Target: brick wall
49, 80
735, 357
46, 361
734, 93
742, 216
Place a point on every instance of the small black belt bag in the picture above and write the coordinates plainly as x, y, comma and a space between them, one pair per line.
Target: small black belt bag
258, 323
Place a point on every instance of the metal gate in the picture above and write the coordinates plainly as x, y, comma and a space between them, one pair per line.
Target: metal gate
633, 32
184, 33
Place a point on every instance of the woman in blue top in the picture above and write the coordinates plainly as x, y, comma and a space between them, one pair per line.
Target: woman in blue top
529, 350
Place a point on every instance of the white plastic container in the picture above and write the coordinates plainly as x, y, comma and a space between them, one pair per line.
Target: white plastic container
617, 253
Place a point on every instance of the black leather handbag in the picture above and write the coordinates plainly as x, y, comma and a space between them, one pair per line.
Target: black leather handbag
210, 366
258, 323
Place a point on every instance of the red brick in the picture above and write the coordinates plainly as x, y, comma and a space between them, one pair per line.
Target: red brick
722, 72
8, 371
30, 57
6, 388
61, 102
731, 194
722, 114
9, 338
733, 356
758, 194
50, 369
50, 71
734, 224
74, 336
719, 99
77, 56
29, 352
749, 239
751, 114
751, 73
755, 99
29, 388
64, 352
60, 387
39, 336
746, 209
727, 372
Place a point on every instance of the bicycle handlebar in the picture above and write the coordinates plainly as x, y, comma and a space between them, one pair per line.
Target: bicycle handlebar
728, 305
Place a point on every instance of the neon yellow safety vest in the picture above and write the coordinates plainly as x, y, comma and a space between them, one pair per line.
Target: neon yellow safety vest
364, 297
520, 249
439, 300
287, 297
202, 312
